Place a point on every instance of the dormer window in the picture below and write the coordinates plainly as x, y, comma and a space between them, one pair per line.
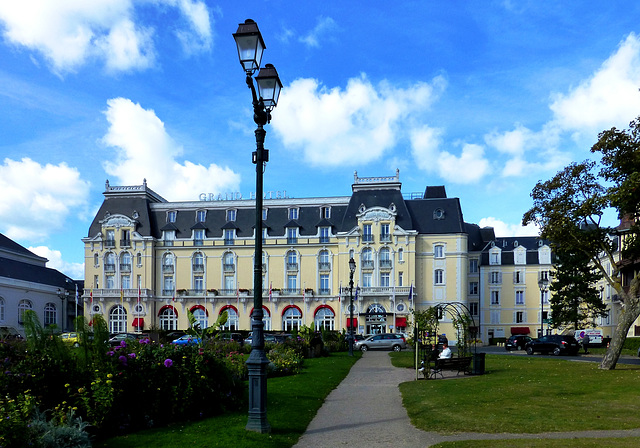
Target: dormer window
264, 214
231, 215
201, 215
325, 212
293, 213
438, 213
171, 216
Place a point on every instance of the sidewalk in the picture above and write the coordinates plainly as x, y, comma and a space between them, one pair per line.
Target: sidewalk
365, 411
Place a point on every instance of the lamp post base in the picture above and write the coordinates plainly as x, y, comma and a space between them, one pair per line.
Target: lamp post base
257, 366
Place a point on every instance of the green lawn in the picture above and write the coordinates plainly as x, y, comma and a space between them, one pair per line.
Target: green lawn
526, 395
292, 402
627, 442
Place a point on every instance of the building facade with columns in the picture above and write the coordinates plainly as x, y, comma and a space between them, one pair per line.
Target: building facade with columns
149, 261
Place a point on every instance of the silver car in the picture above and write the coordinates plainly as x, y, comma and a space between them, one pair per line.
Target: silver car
387, 341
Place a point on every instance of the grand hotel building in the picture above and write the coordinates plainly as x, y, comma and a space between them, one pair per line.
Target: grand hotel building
148, 261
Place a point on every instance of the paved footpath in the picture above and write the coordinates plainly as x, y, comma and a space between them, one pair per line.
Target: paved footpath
365, 411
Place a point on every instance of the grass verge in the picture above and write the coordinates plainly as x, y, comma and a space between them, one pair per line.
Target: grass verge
292, 402
628, 442
527, 395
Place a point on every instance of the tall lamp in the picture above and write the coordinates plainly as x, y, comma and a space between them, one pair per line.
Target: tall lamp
352, 270
543, 283
250, 48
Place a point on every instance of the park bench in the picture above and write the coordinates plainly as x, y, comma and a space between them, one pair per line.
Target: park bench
462, 364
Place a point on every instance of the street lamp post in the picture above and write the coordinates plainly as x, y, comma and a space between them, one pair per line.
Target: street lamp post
542, 284
352, 270
250, 48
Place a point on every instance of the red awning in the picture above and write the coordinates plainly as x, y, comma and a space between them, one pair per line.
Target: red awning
138, 322
401, 321
520, 330
352, 324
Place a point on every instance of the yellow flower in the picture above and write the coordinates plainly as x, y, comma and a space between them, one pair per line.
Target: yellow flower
109, 375
67, 385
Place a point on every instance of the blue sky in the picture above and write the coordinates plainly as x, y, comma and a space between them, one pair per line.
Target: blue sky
485, 98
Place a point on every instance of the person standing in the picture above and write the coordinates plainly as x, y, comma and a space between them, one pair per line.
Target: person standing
585, 343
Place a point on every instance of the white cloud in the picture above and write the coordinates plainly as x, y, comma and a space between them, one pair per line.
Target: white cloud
609, 98
144, 149
355, 125
469, 167
73, 270
503, 229
68, 32
37, 199
325, 26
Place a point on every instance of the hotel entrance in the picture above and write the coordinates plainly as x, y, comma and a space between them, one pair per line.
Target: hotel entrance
376, 319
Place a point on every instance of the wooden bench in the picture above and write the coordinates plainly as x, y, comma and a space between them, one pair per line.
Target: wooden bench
462, 364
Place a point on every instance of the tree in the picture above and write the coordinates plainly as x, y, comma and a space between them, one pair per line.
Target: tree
576, 301
569, 207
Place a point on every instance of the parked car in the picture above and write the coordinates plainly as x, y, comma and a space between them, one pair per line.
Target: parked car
187, 339
516, 342
117, 339
553, 343
387, 341
71, 339
357, 337
268, 337
228, 337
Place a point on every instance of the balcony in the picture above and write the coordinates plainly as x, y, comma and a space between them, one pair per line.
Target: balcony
386, 264
198, 242
199, 267
292, 240
291, 291
229, 267
325, 240
167, 269
227, 292
168, 292
110, 244
292, 266
196, 292
109, 267
367, 264
125, 242
367, 238
324, 291
229, 242
323, 266
385, 238
125, 267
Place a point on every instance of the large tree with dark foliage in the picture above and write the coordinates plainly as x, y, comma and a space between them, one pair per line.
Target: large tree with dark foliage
576, 301
569, 208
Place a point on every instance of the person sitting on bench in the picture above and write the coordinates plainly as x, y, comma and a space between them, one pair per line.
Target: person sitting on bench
446, 352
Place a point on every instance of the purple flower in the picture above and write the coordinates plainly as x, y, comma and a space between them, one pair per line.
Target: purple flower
123, 344
132, 355
123, 360
145, 341
110, 353
168, 362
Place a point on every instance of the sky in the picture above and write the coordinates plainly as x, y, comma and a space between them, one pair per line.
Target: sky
485, 98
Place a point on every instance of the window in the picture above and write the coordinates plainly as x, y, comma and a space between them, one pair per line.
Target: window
293, 213
385, 258
96, 260
495, 297
198, 237
229, 236
324, 234
367, 279
385, 279
292, 260
125, 240
518, 277
266, 318
1, 309
171, 216
473, 266
264, 214
110, 262
169, 237
118, 320
519, 317
168, 288
495, 277
168, 319
545, 297
519, 297
23, 306
401, 255
385, 232
200, 316
291, 319
230, 284
473, 308
367, 235
231, 215
400, 279
494, 257
292, 235
544, 275
50, 315
110, 281
125, 262
232, 320
229, 262
325, 212
438, 277
324, 319
324, 284
139, 259
125, 281
324, 263
473, 288
111, 239
201, 215
292, 284
168, 263
367, 258
438, 251
198, 283
494, 317
197, 262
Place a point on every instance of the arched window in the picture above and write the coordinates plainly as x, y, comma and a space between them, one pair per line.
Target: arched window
125, 261
385, 257
96, 260
266, 318
50, 314
117, 319
139, 259
23, 306
198, 262
229, 262
324, 260
292, 260
200, 314
367, 258
110, 261
168, 263
325, 319
168, 318
232, 321
291, 318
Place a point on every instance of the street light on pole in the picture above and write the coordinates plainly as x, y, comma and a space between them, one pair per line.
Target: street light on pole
543, 283
250, 48
352, 270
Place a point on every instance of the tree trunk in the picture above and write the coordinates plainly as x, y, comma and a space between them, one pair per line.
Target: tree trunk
629, 314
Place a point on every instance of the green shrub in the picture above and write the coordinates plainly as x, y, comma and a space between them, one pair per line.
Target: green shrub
284, 361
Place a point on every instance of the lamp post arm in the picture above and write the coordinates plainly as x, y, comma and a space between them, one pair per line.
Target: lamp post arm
261, 115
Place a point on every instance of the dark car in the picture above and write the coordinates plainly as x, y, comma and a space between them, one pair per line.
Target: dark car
119, 338
553, 343
516, 342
